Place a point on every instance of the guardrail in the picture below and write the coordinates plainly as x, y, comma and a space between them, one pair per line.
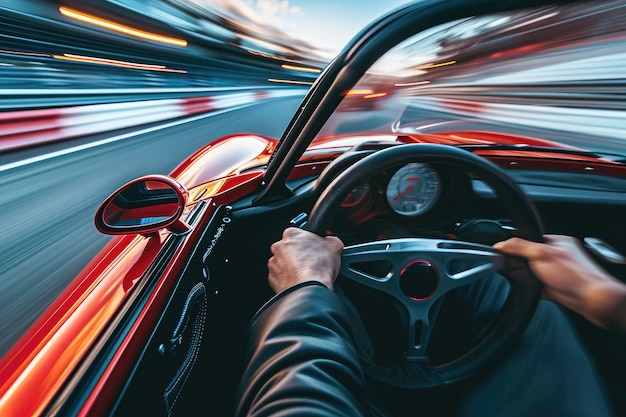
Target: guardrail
39, 98
605, 94
608, 123
24, 128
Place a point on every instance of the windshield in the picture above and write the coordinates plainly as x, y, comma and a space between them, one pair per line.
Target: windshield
550, 76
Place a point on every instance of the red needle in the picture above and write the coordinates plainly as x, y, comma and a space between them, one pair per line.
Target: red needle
406, 190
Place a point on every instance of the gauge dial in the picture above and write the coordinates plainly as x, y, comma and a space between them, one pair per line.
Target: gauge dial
413, 189
356, 196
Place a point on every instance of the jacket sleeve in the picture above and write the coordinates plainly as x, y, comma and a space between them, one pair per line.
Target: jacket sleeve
618, 324
300, 359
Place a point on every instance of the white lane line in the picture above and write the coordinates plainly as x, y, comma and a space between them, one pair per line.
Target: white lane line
79, 148
76, 91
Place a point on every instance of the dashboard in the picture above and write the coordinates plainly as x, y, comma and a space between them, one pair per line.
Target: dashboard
440, 201
416, 197
446, 202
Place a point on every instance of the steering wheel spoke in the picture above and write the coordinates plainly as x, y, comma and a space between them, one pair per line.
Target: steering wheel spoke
422, 315
368, 267
464, 263
417, 269
417, 272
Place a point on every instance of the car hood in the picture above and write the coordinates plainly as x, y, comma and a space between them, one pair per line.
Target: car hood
483, 142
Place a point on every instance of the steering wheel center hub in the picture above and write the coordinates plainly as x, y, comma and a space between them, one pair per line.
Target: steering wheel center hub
419, 280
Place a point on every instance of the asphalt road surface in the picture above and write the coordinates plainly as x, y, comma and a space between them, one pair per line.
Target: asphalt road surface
47, 203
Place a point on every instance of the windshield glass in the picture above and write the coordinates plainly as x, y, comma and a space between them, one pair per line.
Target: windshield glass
550, 76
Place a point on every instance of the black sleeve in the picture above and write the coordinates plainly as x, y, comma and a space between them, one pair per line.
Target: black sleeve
618, 324
300, 359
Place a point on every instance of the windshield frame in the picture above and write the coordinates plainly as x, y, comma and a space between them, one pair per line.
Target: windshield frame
350, 65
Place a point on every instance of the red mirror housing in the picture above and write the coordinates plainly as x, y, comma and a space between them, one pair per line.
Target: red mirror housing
144, 206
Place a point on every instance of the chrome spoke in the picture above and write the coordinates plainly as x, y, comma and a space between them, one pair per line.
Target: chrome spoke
417, 272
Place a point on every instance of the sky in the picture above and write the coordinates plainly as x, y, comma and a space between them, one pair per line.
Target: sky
326, 24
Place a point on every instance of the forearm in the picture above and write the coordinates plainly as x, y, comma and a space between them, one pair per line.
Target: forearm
604, 303
300, 358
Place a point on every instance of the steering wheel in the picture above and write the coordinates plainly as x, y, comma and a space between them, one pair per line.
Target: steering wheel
420, 268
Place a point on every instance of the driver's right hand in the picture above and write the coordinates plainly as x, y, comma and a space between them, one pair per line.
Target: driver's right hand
570, 276
302, 256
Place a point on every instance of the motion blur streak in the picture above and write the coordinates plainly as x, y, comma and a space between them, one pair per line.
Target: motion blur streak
103, 61
530, 22
274, 80
377, 95
4, 51
359, 92
303, 69
83, 17
411, 84
442, 64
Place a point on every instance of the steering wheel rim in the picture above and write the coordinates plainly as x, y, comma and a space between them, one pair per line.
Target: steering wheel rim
415, 372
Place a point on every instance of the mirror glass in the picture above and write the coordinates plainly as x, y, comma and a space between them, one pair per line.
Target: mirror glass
147, 202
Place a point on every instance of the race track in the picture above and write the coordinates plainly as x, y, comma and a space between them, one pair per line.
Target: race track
47, 204
50, 193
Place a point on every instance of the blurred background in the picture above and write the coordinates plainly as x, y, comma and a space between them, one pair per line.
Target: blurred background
94, 93
170, 43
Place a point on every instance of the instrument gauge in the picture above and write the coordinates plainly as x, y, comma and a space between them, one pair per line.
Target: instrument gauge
356, 196
413, 189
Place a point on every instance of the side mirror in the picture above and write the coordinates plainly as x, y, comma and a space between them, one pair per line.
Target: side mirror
144, 206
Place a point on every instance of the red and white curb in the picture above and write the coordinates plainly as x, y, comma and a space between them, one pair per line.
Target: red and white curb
20, 129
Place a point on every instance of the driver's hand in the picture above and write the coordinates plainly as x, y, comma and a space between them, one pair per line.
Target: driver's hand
302, 256
570, 276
